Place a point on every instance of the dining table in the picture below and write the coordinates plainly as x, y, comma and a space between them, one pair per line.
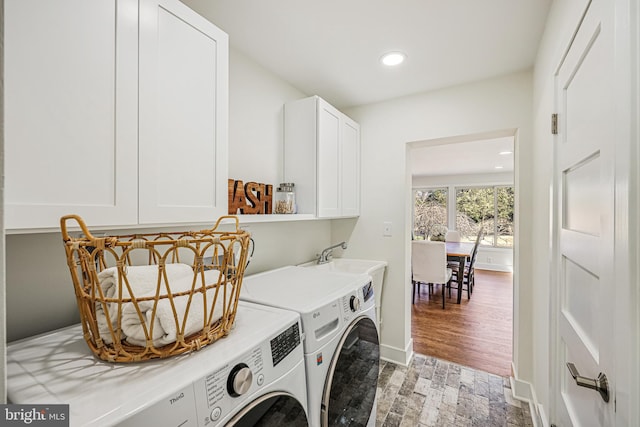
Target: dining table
459, 251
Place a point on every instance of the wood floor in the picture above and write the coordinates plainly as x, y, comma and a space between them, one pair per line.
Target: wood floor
477, 333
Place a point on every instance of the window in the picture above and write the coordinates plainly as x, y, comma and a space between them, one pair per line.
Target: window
489, 208
475, 209
430, 213
505, 199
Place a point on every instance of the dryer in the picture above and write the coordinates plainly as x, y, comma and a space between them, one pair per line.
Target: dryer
341, 345
254, 376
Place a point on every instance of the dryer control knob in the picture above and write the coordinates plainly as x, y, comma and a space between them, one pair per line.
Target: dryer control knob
239, 380
354, 303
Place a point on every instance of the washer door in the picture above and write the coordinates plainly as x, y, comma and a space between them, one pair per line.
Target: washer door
275, 409
350, 388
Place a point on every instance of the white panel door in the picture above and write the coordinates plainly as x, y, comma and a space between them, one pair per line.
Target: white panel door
328, 157
70, 94
350, 168
585, 149
183, 115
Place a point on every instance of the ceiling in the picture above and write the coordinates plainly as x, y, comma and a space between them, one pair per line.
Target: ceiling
464, 158
332, 48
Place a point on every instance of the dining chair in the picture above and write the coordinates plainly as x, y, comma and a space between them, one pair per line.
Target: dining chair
474, 254
429, 266
452, 236
468, 278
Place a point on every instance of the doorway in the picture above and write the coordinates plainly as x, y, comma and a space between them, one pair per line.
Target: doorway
447, 175
477, 333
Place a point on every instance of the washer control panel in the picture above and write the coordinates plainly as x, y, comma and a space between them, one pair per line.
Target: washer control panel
216, 393
224, 391
367, 292
354, 303
239, 380
357, 301
211, 400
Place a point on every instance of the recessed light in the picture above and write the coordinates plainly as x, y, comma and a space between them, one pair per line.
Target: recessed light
498, 167
392, 59
504, 153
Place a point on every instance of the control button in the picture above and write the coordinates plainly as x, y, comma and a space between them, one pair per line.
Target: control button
215, 414
354, 303
260, 380
240, 379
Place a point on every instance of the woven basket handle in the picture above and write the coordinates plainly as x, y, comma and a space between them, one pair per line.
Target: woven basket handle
233, 217
83, 227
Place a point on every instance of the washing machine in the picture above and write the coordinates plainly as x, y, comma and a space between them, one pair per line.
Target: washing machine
253, 377
341, 348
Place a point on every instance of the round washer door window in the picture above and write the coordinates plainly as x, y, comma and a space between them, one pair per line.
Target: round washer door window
276, 409
350, 388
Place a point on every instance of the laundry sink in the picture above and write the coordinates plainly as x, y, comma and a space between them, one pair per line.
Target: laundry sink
348, 265
373, 268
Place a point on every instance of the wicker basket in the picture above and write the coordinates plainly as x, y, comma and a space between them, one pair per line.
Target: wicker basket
149, 296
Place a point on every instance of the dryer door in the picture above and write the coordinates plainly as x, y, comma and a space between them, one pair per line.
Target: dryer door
276, 409
352, 380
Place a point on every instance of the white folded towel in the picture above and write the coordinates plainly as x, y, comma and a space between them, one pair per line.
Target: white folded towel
143, 282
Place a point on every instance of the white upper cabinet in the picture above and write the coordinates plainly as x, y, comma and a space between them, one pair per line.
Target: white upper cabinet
89, 131
70, 111
183, 115
322, 158
350, 168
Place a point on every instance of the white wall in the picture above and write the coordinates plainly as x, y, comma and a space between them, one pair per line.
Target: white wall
3, 299
256, 148
256, 121
255, 154
486, 106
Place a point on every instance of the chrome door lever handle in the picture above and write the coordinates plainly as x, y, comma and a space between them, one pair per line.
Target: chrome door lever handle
600, 384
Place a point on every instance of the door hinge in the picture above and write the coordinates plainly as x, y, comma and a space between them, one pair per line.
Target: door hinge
554, 124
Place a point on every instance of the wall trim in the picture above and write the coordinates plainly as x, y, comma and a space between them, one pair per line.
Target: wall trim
397, 355
494, 267
524, 391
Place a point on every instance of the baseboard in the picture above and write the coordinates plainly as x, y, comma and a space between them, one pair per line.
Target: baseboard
494, 267
397, 355
524, 391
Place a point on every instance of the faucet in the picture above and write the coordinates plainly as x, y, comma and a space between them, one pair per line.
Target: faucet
326, 254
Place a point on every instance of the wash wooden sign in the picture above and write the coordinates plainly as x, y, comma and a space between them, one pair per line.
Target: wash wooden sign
250, 198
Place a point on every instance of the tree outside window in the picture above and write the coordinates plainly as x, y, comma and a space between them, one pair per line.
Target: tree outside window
505, 201
430, 214
475, 210
487, 208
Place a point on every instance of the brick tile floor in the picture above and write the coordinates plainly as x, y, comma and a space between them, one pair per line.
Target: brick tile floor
433, 392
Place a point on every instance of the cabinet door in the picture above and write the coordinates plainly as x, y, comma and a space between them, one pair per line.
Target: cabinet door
350, 168
183, 115
328, 147
70, 95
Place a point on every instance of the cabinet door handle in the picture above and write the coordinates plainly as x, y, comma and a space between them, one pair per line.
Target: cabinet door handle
600, 384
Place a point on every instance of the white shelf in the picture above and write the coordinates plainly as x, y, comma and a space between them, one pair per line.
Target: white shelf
252, 219
244, 219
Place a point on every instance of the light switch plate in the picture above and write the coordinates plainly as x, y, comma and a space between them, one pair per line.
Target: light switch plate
387, 228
